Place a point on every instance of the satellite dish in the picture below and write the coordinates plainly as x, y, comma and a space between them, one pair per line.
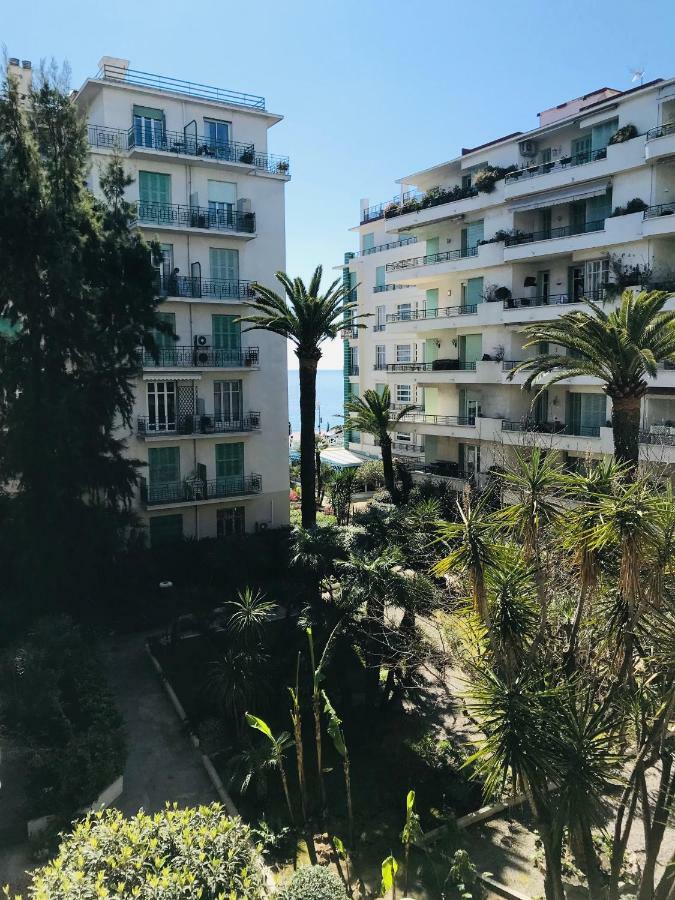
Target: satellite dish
637, 75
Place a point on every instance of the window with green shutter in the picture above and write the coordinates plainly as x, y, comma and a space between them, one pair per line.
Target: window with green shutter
164, 465
600, 134
431, 303
432, 246
154, 192
473, 293
470, 347
380, 276
224, 264
166, 530
229, 467
368, 242
148, 127
226, 332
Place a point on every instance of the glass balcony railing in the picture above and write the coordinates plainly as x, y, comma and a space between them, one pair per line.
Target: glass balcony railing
565, 162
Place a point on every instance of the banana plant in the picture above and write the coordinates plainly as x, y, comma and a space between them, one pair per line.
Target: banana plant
389, 870
411, 834
279, 746
296, 719
317, 678
338, 738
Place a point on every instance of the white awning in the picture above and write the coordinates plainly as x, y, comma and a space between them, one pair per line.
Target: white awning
172, 376
565, 195
340, 458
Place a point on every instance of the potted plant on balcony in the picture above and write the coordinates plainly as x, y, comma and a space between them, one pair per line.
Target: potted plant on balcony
247, 156
625, 133
502, 293
282, 167
565, 160
392, 209
546, 167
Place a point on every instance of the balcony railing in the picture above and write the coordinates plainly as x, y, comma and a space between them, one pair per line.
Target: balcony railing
661, 131
379, 288
422, 418
111, 72
555, 299
442, 313
513, 240
353, 369
195, 288
432, 259
666, 436
405, 367
379, 327
590, 431
182, 216
403, 242
372, 213
661, 209
405, 447
442, 469
180, 142
579, 159
200, 357
196, 424
199, 489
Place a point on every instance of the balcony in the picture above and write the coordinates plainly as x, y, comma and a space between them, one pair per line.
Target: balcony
589, 431
660, 141
199, 490
658, 435
428, 314
353, 370
431, 259
148, 427
423, 418
180, 143
382, 247
195, 288
176, 215
204, 356
515, 240
117, 74
565, 162
380, 288
406, 447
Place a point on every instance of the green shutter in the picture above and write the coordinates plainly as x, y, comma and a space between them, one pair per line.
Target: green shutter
224, 264
380, 276
431, 303
226, 332
230, 466
154, 187
475, 232
149, 112
581, 147
368, 241
432, 246
431, 401
474, 291
165, 530
470, 347
379, 388
430, 350
164, 465
600, 134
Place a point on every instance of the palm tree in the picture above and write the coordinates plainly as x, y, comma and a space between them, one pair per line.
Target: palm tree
306, 318
250, 611
372, 413
622, 348
278, 745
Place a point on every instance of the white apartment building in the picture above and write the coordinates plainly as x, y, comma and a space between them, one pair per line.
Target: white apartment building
210, 418
451, 274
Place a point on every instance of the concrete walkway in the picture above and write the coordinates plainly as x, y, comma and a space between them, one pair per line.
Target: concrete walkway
162, 765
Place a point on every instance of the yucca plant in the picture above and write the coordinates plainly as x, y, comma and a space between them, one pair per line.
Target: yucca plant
622, 349
307, 318
249, 613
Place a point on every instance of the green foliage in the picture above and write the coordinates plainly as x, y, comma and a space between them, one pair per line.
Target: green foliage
55, 703
249, 613
369, 475
485, 180
626, 133
341, 489
314, 883
389, 870
174, 853
463, 877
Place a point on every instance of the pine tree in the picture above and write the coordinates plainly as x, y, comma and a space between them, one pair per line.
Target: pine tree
77, 299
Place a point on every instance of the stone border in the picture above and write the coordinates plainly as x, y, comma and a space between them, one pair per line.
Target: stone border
105, 798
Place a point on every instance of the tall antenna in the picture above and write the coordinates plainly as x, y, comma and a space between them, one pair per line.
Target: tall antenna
637, 75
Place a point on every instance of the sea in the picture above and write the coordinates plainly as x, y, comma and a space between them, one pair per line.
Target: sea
329, 399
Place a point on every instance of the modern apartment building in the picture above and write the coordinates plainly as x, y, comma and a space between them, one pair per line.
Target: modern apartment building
519, 230
210, 418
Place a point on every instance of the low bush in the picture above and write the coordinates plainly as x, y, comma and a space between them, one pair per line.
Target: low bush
382, 496
369, 476
627, 133
633, 206
314, 883
176, 853
56, 704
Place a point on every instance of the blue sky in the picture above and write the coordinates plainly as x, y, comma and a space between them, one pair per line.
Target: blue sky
371, 89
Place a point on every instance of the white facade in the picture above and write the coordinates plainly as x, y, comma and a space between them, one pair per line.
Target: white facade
448, 310
211, 418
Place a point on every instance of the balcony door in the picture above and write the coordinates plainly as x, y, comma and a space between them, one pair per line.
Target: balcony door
586, 413
148, 127
161, 397
154, 192
229, 467
163, 468
431, 303
226, 333
472, 292
470, 347
222, 202
581, 150
216, 134
224, 264
227, 401
468, 458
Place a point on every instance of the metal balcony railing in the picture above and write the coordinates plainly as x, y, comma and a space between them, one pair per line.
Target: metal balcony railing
666, 437
194, 287
432, 258
406, 367
547, 300
353, 369
196, 424
527, 425
182, 216
442, 469
201, 356
513, 240
405, 447
379, 288
422, 418
442, 313
661, 131
111, 72
661, 209
565, 162
199, 489
403, 242
182, 143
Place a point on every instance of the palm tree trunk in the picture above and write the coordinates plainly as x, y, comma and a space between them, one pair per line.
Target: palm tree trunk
307, 443
576, 625
626, 429
388, 467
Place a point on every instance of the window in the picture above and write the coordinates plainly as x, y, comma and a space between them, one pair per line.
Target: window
470, 347
380, 276
163, 465
216, 133
586, 413
581, 150
380, 316
466, 182
403, 393
600, 134
404, 436
543, 284
161, 405
222, 202
379, 388
403, 353
432, 246
404, 310
224, 264
148, 127
596, 274
166, 530
165, 341
227, 401
154, 193
368, 242
229, 467
380, 356
472, 234
546, 155
472, 292
226, 333
165, 269
431, 303
230, 521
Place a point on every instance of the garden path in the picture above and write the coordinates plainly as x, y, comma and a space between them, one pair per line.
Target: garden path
162, 765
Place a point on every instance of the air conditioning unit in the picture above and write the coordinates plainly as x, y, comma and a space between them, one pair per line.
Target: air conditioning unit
528, 148
201, 340
262, 526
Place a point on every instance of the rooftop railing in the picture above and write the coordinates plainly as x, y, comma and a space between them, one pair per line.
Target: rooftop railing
549, 234
379, 288
148, 426
203, 288
178, 142
183, 216
432, 259
111, 72
199, 357
661, 131
565, 162
199, 489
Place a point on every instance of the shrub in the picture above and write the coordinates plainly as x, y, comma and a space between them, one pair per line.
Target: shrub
637, 204
369, 475
627, 133
314, 883
175, 853
382, 496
